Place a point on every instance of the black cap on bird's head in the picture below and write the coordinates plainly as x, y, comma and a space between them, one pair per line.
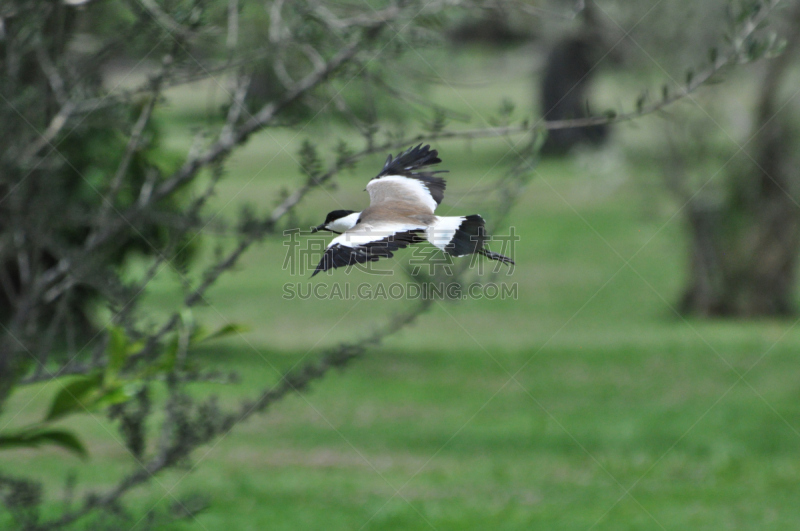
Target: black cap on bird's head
330, 218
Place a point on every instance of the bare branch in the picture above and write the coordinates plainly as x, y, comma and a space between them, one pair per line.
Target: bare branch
277, 31
367, 19
233, 25
134, 141
263, 117
236, 108
53, 77
334, 358
295, 381
57, 123
166, 21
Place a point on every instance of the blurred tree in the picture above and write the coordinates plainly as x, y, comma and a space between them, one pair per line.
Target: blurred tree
745, 247
743, 224
571, 65
744, 231
50, 196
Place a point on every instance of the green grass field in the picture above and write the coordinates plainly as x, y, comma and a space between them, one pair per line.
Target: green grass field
585, 404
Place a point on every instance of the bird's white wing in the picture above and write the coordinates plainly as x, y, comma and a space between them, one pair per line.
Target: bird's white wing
400, 188
405, 178
369, 233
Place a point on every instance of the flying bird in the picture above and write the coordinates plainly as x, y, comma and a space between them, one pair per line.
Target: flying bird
402, 201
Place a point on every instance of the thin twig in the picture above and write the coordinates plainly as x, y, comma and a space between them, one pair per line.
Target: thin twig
51, 72
223, 147
134, 141
55, 126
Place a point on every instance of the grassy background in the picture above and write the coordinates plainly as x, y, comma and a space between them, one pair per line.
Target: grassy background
585, 404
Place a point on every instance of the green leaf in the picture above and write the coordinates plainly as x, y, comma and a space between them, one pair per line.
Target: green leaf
33, 437
165, 362
118, 394
310, 163
136, 346
66, 440
227, 330
344, 155
74, 396
117, 351
170, 354
438, 121
199, 333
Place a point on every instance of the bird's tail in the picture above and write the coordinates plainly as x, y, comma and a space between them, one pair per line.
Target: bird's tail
457, 235
496, 256
460, 236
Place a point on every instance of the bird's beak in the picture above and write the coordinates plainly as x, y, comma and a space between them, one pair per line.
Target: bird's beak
318, 228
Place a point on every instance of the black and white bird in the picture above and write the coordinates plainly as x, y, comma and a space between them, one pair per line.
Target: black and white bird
402, 201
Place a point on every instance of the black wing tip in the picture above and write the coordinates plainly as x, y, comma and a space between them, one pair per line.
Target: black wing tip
416, 158
413, 158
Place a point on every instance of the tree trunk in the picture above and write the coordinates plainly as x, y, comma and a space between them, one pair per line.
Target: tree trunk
744, 251
748, 272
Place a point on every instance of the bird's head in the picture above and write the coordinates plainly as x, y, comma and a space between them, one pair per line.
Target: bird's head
338, 221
